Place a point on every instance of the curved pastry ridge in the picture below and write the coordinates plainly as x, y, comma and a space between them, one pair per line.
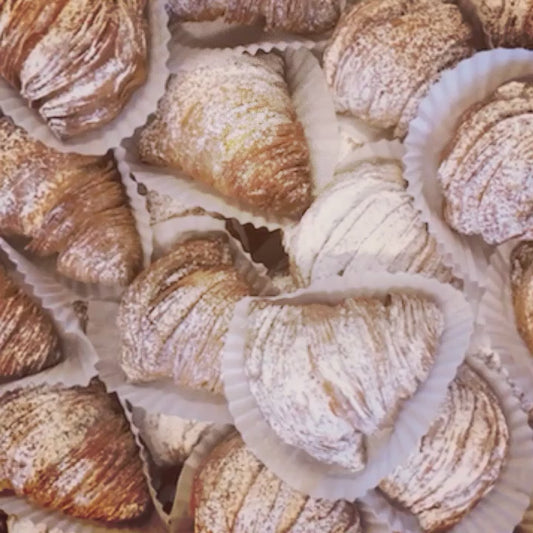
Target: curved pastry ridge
522, 290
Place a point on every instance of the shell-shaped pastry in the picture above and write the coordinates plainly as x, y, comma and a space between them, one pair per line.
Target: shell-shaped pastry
234, 492
28, 339
174, 317
77, 62
232, 125
326, 378
522, 289
385, 54
458, 461
69, 204
298, 16
486, 171
365, 217
71, 450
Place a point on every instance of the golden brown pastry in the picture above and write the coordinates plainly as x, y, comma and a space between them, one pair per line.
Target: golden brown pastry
235, 493
174, 317
458, 461
71, 450
486, 171
69, 204
231, 124
364, 220
77, 62
28, 340
385, 54
297, 16
327, 378
522, 290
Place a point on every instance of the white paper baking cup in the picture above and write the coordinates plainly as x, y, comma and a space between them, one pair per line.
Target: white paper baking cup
315, 111
294, 466
506, 503
141, 104
472, 81
79, 356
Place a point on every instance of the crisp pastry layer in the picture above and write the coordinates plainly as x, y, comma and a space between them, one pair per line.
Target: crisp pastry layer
328, 378
71, 450
234, 493
298, 16
385, 54
458, 461
522, 290
77, 62
28, 339
68, 204
174, 317
486, 173
231, 124
366, 217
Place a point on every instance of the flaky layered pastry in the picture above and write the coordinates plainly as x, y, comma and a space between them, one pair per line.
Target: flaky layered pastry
329, 378
365, 219
522, 290
174, 317
486, 171
298, 16
458, 461
231, 124
71, 450
77, 62
235, 493
69, 204
28, 339
385, 54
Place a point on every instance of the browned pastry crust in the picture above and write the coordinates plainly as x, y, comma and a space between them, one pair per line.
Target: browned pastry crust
522, 289
76, 61
28, 340
69, 204
80, 457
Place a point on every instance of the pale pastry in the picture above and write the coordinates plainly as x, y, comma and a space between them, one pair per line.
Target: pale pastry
77, 62
231, 124
233, 492
364, 220
486, 170
28, 339
71, 450
458, 461
297, 16
68, 204
522, 290
327, 378
385, 54
174, 317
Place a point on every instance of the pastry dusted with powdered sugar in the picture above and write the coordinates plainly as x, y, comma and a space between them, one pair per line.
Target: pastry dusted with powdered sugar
522, 290
77, 62
231, 124
364, 220
486, 170
327, 378
234, 492
385, 54
458, 461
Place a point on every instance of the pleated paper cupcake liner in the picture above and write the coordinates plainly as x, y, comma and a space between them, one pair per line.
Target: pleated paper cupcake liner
141, 104
504, 506
79, 356
472, 81
294, 466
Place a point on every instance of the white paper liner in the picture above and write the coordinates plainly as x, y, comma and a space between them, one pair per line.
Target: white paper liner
79, 356
315, 111
294, 466
472, 81
141, 104
506, 503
